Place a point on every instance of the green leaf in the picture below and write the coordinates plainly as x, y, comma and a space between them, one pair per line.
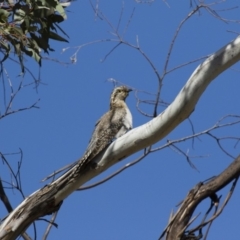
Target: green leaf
19, 16
32, 53
57, 18
16, 31
42, 12
32, 28
61, 29
11, 2
41, 42
25, 25
29, 2
17, 48
52, 3
7, 47
33, 44
61, 11
4, 14
55, 36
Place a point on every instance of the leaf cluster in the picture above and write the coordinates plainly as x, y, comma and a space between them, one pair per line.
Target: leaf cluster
26, 26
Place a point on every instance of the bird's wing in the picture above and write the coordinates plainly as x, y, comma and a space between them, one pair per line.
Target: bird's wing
105, 131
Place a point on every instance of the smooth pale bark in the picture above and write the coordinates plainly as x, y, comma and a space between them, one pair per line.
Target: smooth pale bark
135, 140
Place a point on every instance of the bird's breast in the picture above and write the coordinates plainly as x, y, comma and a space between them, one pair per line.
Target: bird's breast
128, 119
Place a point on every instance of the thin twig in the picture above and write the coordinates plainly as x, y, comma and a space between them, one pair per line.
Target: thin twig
51, 223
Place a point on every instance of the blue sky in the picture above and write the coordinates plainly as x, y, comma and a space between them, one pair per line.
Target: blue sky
137, 203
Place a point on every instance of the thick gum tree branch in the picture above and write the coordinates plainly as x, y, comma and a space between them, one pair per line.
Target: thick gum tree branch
49, 198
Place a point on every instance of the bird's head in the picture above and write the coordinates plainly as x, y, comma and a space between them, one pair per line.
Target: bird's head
120, 93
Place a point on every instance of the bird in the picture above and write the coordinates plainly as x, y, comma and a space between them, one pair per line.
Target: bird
112, 125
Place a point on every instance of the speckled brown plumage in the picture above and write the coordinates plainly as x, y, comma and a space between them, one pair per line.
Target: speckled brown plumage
113, 124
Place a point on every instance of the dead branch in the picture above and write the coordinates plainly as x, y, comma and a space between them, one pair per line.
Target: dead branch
176, 229
3, 195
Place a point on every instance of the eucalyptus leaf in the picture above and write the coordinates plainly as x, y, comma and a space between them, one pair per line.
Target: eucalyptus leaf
41, 42
32, 53
57, 18
61, 11
4, 14
18, 16
55, 36
7, 47
17, 48
11, 2
61, 29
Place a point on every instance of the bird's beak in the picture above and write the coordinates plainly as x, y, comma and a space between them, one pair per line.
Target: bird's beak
129, 90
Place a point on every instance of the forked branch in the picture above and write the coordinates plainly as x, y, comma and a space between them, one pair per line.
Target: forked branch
177, 227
